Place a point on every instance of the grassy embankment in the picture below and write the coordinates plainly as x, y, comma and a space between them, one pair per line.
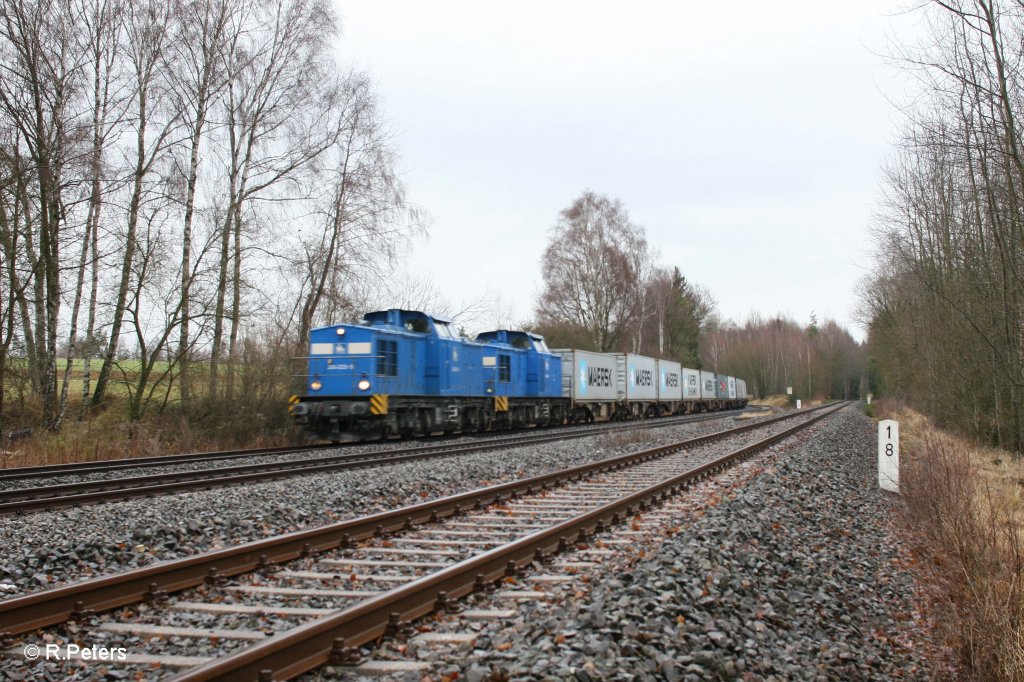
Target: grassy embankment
964, 507
257, 417
770, 401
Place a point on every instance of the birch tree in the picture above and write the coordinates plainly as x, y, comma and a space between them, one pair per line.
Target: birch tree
276, 71
363, 217
41, 69
593, 267
199, 76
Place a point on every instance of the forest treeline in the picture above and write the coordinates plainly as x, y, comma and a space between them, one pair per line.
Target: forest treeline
604, 290
180, 181
944, 306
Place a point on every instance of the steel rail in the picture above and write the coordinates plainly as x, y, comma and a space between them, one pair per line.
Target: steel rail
112, 489
308, 646
79, 468
57, 605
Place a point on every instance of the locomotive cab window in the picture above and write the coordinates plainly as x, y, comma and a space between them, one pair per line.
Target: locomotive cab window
418, 325
504, 368
387, 358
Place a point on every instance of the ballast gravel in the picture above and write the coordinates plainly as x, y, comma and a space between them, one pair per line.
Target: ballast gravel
46, 549
305, 455
795, 574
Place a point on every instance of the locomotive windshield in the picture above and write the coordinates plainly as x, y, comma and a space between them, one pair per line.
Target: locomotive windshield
418, 325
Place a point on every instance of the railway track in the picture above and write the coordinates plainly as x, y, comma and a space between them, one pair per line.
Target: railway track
107, 465
58, 495
281, 606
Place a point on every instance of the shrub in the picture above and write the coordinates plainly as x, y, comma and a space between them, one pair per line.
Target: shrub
969, 532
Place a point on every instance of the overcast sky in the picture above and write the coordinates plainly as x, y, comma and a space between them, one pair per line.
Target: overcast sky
747, 137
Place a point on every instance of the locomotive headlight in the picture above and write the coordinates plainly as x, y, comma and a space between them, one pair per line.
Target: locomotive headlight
364, 384
316, 385
340, 331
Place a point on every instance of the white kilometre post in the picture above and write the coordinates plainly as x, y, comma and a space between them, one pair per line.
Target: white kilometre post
798, 403
889, 455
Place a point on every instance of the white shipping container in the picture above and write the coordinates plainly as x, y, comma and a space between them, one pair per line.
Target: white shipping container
707, 385
741, 389
588, 377
670, 381
691, 384
732, 388
638, 374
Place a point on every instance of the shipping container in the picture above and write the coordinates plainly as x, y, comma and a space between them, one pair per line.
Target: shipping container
732, 388
670, 381
589, 377
691, 384
637, 374
707, 385
741, 389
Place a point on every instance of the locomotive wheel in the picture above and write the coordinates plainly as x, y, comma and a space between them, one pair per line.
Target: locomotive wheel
471, 421
426, 422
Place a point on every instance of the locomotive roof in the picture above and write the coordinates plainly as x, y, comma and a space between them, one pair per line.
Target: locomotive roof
532, 335
404, 312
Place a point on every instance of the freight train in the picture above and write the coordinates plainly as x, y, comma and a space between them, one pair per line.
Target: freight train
406, 373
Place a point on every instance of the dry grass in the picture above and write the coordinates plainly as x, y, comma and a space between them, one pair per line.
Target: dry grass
771, 401
965, 506
105, 435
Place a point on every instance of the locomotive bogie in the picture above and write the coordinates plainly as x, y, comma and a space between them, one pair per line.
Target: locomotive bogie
343, 420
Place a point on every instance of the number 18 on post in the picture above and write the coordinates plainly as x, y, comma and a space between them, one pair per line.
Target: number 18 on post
889, 455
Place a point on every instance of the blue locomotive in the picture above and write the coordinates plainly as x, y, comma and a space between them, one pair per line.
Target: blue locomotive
405, 373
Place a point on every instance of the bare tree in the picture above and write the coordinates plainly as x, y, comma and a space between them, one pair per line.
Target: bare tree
40, 77
222, 131
147, 26
951, 228
364, 216
593, 268
101, 36
275, 72
199, 74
